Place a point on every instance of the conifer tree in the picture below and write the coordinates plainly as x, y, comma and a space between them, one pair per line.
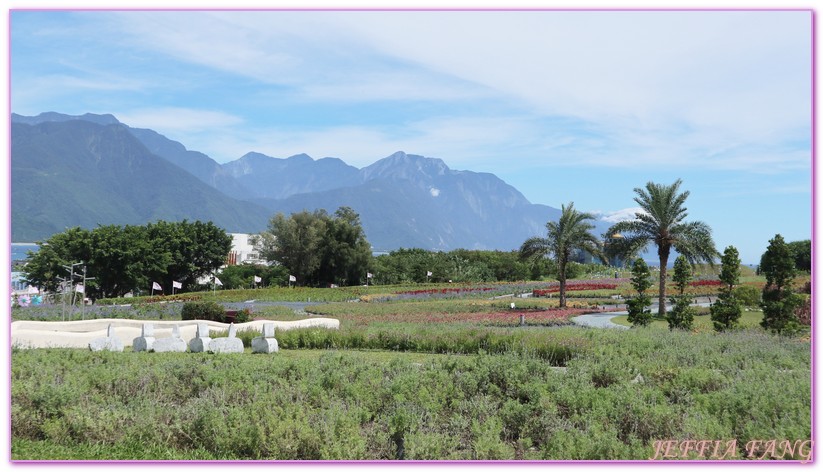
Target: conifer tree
726, 311
682, 315
641, 281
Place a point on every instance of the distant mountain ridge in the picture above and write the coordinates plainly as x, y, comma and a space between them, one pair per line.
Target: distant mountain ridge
404, 200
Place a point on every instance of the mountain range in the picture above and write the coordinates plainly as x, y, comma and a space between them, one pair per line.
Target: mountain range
93, 170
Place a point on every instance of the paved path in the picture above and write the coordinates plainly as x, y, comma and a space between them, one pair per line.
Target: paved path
604, 320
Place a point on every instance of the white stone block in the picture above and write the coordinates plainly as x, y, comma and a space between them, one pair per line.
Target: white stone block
200, 344
109, 343
264, 345
148, 330
143, 344
268, 330
202, 330
173, 344
106, 344
226, 345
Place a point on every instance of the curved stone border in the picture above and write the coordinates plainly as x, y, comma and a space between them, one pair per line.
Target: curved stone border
78, 334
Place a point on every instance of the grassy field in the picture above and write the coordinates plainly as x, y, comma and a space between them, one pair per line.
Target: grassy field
418, 373
351, 404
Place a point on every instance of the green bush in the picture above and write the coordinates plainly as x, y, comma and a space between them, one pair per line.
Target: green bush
209, 311
747, 295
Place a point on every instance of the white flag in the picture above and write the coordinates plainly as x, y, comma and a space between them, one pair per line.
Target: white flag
428, 273
156, 286
369, 275
79, 288
257, 279
292, 278
176, 284
217, 281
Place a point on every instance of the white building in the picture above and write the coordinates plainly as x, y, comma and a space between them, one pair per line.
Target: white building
242, 251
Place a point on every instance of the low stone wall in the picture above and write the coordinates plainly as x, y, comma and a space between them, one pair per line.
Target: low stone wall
78, 334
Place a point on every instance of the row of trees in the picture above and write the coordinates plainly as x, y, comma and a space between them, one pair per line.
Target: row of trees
662, 222
123, 259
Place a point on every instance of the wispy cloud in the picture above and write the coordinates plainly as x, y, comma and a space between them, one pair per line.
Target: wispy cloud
626, 214
178, 120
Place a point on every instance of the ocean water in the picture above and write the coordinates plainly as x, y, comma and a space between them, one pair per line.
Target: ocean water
19, 250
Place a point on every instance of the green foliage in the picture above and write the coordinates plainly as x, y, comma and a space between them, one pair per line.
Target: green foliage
130, 258
209, 311
318, 249
681, 315
802, 252
572, 232
779, 303
662, 222
641, 281
726, 311
747, 295
242, 276
682, 273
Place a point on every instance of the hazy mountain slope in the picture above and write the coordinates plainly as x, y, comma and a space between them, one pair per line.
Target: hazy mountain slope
78, 173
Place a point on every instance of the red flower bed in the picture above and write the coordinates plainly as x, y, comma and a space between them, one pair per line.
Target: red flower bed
575, 286
705, 283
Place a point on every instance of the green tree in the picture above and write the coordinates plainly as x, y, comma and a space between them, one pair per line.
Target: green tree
571, 232
346, 256
641, 281
726, 311
296, 243
122, 259
662, 222
779, 303
128, 258
802, 251
681, 315
318, 249
45, 268
194, 249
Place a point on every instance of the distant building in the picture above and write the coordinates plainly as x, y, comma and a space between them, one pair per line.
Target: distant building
242, 251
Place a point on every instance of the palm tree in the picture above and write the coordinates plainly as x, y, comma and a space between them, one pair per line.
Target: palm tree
661, 222
570, 232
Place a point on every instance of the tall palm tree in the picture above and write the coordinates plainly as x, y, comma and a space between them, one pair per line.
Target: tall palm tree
570, 232
662, 222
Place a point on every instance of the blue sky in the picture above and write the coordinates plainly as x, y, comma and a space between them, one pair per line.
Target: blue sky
578, 106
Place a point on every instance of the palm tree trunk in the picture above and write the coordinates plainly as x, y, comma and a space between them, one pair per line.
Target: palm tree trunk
663, 252
562, 278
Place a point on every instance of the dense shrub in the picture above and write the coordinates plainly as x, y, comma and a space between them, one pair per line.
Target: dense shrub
747, 295
209, 311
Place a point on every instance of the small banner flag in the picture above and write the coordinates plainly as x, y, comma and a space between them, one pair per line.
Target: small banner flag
292, 278
428, 273
79, 288
176, 284
217, 281
156, 286
369, 275
257, 279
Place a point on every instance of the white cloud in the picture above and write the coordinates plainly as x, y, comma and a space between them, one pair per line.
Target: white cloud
706, 90
178, 120
617, 216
